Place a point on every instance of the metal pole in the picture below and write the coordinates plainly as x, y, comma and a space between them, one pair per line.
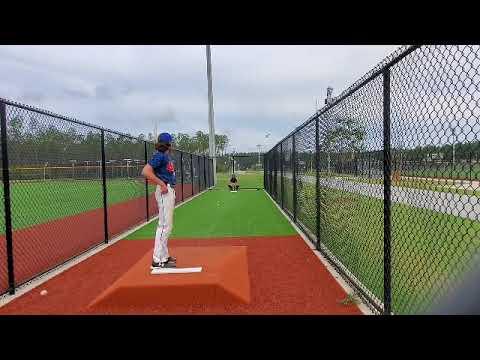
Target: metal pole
7, 200
104, 187
211, 124
199, 175
387, 164
182, 173
191, 173
317, 182
281, 176
294, 167
205, 185
146, 182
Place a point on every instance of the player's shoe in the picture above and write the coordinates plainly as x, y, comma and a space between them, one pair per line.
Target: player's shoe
163, 265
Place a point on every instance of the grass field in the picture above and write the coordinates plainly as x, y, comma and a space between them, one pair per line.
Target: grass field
429, 249
251, 179
244, 213
36, 202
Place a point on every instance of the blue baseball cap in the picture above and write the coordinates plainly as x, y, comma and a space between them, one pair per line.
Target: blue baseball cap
165, 138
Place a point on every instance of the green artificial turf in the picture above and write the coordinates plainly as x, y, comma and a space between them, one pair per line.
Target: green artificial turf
249, 179
220, 213
36, 202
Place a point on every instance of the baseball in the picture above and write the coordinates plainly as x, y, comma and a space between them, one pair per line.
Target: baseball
43, 292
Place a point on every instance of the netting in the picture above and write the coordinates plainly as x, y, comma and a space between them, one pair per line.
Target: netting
60, 217
351, 225
248, 169
286, 168
57, 190
187, 176
152, 202
398, 177
196, 174
202, 173
3, 240
435, 95
125, 158
277, 175
305, 146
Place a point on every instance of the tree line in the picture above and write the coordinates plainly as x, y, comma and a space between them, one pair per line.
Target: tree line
35, 142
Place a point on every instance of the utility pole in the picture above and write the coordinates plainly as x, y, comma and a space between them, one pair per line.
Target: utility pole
211, 141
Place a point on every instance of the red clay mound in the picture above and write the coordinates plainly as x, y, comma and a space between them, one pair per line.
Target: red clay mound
285, 278
224, 279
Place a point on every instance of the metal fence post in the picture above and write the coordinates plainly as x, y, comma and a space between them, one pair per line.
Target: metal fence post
294, 170
281, 176
317, 181
275, 174
146, 184
199, 175
205, 185
191, 174
104, 186
264, 172
181, 172
387, 165
7, 199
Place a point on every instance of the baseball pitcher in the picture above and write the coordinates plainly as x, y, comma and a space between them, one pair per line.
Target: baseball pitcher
160, 171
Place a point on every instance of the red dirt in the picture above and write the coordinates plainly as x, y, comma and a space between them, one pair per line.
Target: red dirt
41, 247
223, 279
3, 265
285, 278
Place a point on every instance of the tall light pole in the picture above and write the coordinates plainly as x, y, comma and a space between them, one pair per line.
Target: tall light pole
211, 142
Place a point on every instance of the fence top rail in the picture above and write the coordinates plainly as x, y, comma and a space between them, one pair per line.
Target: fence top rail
386, 63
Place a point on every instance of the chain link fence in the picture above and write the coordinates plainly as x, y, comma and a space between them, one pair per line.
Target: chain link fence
68, 186
385, 179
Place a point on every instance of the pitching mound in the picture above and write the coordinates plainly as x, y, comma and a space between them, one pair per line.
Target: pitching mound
224, 279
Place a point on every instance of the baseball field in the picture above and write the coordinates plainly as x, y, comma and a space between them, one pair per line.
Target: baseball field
351, 228
285, 276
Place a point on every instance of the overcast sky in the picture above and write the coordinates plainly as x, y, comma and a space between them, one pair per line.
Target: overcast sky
257, 89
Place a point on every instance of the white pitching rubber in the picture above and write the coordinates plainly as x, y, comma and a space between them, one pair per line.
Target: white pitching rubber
176, 271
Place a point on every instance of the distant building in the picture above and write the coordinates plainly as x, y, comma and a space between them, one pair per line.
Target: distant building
435, 156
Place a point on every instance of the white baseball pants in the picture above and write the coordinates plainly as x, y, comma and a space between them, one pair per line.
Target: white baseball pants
166, 206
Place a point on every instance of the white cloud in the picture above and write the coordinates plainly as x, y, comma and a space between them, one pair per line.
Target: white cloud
257, 89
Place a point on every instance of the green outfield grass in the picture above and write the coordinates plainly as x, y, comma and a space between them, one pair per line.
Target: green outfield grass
222, 214
36, 202
251, 179
429, 249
